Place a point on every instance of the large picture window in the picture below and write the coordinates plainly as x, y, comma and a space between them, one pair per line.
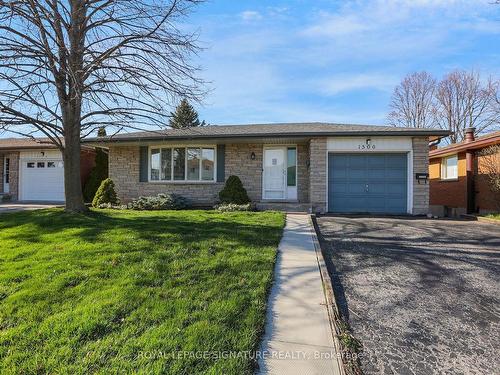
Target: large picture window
182, 164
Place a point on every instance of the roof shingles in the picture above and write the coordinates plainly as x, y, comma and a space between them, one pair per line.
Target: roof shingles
267, 130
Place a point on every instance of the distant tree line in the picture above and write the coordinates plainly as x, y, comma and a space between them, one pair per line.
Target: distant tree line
460, 100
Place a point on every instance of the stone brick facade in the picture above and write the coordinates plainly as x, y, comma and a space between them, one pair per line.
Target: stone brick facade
239, 163
1, 173
317, 174
124, 170
420, 165
311, 174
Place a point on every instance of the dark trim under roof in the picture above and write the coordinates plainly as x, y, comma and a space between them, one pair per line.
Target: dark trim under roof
269, 130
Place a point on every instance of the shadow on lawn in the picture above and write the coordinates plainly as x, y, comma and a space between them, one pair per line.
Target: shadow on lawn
94, 226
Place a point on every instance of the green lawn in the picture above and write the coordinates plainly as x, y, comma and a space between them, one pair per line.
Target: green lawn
121, 291
493, 216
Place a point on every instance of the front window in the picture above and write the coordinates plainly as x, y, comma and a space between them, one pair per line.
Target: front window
7, 170
449, 167
182, 164
291, 171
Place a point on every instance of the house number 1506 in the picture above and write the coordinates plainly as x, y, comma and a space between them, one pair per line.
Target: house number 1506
366, 147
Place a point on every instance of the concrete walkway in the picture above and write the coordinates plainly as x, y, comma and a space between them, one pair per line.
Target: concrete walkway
298, 337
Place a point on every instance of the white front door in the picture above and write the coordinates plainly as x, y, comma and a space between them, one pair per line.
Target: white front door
6, 175
274, 173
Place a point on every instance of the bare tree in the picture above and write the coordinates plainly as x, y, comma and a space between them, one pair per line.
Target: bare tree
69, 67
490, 168
465, 101
412, 101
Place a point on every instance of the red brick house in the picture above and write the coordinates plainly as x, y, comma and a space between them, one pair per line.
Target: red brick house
458, 180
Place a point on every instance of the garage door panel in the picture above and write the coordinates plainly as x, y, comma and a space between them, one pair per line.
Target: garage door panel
41, 181
375, 183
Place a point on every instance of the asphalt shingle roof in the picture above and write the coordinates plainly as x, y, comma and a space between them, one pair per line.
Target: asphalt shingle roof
24, 143
269, 130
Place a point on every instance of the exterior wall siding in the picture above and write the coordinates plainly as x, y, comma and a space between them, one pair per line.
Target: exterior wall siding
317, 174
420, 165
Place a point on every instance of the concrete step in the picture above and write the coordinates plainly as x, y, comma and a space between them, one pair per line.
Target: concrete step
284, 206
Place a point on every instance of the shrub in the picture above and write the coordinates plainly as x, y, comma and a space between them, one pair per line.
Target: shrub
6, 198
105, 194
98, 174
234, 192
160, 202
231, 207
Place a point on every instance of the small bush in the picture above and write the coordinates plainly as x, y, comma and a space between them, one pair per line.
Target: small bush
6, 198
160, 202
231, 207
234, 192
106, 194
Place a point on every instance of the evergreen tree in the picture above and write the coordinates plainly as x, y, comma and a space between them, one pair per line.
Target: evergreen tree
185, 116
98, 174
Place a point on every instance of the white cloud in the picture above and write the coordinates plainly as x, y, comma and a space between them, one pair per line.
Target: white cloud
250, 15
350, 82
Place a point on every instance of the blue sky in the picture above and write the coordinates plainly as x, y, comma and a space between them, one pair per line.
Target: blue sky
336, 61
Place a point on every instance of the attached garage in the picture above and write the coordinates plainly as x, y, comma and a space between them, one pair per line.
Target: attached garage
367, 183
41, 176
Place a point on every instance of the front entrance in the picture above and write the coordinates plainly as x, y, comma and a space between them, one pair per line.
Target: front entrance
280, 173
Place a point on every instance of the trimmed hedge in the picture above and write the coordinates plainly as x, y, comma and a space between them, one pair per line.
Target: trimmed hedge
234, 192
160, 202
106, 194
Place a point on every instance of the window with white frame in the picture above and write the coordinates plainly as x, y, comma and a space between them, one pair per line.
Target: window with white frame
182, 164
449, 167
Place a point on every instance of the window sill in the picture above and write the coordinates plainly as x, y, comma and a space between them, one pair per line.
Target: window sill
183, 182
448, 180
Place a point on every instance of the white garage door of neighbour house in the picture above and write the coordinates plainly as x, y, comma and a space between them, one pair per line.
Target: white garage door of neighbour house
41, 178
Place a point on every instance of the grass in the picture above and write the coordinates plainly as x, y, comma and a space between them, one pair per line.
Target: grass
129, 292
495, 216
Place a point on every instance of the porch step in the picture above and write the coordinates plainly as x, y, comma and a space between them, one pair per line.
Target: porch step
283, 206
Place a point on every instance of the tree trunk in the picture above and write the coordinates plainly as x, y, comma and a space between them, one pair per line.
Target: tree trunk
72, 179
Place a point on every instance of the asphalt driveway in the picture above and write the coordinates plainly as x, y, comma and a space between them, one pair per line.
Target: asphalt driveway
14, 207
422, 296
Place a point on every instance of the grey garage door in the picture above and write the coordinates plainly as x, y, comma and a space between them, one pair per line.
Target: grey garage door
371, 183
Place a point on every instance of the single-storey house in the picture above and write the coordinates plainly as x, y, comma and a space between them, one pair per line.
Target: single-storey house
33, 169
318, 167
459, 176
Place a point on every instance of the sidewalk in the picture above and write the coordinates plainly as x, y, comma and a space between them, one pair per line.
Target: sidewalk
298, 331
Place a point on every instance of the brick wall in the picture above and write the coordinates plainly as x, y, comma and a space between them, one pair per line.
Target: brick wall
317, 174
485, 200
1, 173
303, 173
14, 175
420, 165
239, 163
449, 193
124, 170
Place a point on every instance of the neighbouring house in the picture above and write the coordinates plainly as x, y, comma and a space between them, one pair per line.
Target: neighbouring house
315, 167
33, 169
458, 176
